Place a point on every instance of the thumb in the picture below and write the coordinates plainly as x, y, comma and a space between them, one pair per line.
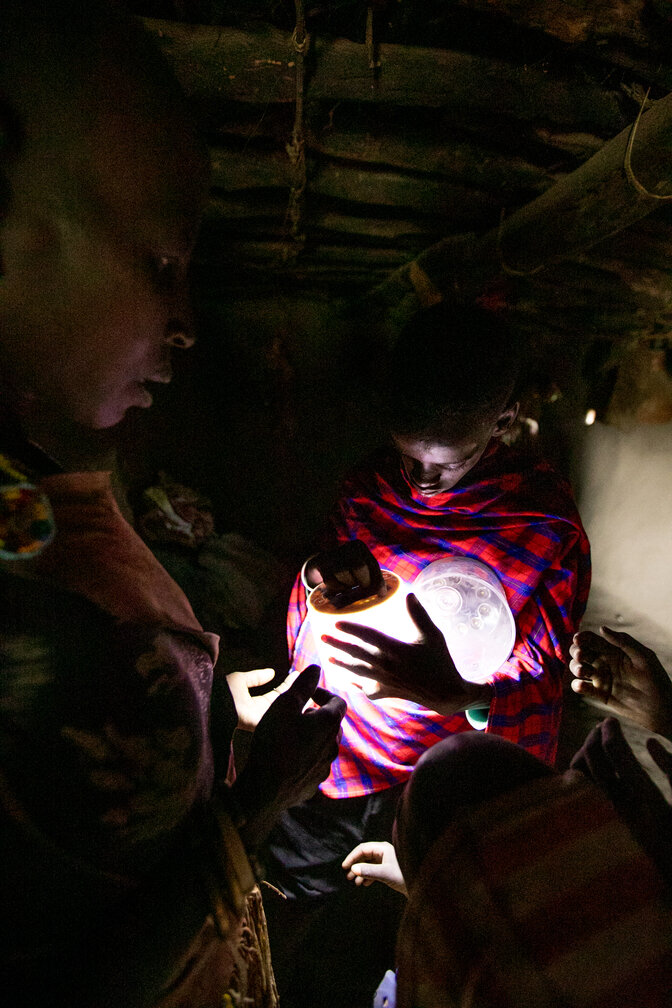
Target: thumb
627, 644
369, 870
257, 677
303, 687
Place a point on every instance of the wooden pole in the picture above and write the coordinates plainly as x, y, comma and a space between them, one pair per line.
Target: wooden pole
217, 66
597, 200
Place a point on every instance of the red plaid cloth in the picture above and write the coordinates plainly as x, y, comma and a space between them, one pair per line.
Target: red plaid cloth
538, 899
518, 516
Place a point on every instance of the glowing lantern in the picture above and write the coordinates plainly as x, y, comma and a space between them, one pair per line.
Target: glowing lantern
387, 613
463, 597
466, 601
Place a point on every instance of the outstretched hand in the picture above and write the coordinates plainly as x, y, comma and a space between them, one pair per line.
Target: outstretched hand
627, 677
290, 754
375, 861
250, 709
607, 759
422, 672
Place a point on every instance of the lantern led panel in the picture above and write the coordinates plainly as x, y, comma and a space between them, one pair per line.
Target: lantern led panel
466, 601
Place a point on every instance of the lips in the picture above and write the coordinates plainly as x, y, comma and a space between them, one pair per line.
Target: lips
140, 395
426, 491
162, 377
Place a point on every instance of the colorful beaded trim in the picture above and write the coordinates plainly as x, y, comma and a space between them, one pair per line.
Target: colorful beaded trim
26, 520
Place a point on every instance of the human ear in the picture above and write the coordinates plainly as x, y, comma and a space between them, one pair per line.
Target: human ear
506, 419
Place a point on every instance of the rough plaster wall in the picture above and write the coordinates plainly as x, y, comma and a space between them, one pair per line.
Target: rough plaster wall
623, 481
625, 498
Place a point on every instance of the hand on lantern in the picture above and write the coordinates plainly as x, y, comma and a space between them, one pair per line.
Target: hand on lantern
346, 573
627, 677
422, 672
375, 861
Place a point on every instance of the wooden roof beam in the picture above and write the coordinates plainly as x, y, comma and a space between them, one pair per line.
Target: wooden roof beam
597, 200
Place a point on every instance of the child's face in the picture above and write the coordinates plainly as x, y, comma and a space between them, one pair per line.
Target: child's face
95, 251
434, 467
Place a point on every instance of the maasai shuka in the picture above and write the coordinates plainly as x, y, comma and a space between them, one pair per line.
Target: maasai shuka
540, 898
516, 514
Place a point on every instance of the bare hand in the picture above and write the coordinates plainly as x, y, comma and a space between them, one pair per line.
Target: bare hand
621, 673
375, 861
607, 759
346, 573
290, 755
422, 672
251, 709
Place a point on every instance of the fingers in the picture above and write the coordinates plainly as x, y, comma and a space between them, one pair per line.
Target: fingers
590, 684
353, 650
621, 640
364, 862
366, 872
366, 671
584, 639
349, 565
302, 689
363, 852
421, 617
592, 661
332, 709
322, 696
584, 645
631, 647
365, 633
589, 652
256, 677
347, 578
363, 575
585, 688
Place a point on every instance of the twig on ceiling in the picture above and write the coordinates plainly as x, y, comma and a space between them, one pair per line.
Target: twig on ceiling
296, 149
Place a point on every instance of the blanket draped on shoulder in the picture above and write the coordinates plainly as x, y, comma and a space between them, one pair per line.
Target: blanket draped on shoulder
516, 514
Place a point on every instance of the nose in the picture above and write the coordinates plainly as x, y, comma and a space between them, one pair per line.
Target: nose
424, 476
179, 335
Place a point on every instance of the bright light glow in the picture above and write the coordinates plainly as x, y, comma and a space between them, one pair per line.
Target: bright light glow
388, 614
463, 597
466, 600
591, 416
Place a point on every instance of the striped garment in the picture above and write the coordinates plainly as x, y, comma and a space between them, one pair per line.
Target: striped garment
538, 899
518, 516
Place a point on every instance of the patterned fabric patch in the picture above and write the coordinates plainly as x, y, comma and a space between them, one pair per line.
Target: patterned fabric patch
26, 520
